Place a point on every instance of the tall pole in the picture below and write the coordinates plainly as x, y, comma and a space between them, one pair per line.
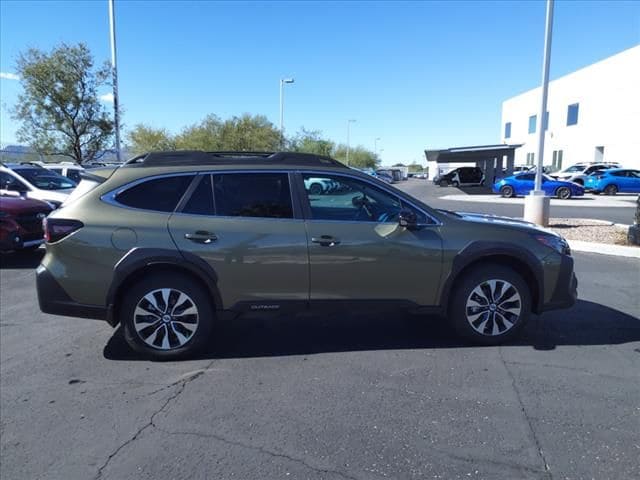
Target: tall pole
536, 205
114, 70
375, 145
349, 122
545, 89
282, 82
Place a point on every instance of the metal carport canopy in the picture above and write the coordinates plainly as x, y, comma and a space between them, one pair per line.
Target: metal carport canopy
471, 154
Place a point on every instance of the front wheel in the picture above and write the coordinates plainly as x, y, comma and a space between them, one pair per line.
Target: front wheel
611, 190
507, 191
563, 193
490, 305
167, 316
315, 189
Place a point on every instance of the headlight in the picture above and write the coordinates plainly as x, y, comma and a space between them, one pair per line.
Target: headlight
557, 243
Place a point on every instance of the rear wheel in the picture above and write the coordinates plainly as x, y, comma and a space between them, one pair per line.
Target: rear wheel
490, 305
167, 316
507, 191
563, 192
611, 190
315, 189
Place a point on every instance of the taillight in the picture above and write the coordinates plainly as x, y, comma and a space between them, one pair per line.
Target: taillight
56, 229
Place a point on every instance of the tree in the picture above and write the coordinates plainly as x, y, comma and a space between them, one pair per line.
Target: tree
144, 139
311, 141
205, 135
359, 157
249, 132
59, 109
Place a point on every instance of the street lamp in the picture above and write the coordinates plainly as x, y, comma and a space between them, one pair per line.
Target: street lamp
536, 205
282, 82
114, 73
349, 122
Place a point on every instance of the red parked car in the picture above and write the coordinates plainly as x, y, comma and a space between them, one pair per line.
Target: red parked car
21, 222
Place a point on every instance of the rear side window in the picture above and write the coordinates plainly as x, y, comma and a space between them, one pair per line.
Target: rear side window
265, 195
159, 194
201, 200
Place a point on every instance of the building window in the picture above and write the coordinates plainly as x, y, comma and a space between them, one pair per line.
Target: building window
557, 160
532, 124
572, 114
530, 158
507, 130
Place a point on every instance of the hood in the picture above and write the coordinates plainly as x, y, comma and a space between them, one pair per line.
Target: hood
505, 221
22, 205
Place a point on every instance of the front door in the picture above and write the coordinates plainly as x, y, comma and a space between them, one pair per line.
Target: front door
243, 225
359, 252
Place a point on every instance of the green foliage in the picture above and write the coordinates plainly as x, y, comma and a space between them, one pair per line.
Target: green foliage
146, 139
206, 136
248, 133
415, 167
359, 157
59, 111
311, 141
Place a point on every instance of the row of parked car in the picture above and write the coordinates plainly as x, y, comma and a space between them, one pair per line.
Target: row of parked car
29, 191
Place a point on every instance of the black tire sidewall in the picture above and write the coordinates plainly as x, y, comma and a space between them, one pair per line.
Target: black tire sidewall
178, 281
506, 191
611, 190
462, 290
559, 193
315, 189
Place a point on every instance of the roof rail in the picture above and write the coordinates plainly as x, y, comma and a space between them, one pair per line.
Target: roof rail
196, 157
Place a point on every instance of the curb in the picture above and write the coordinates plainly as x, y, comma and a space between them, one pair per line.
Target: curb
604, 249
573, 202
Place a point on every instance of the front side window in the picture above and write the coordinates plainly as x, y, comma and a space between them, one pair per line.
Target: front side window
634, 173
572, 114
352, 200
159, 194
265, 195
9, 182
45, 179
526, 176
532, 124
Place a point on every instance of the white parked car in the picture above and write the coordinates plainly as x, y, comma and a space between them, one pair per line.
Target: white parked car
66, 169
577, 173
35, 182
316, 186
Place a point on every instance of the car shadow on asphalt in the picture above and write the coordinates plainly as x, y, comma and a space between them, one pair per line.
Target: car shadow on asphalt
22, 259
587, 323
478, 190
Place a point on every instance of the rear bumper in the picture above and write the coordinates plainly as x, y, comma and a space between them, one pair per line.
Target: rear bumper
54, 300
566, 291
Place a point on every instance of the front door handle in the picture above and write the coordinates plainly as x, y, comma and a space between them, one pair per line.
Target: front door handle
201, 237
325, 240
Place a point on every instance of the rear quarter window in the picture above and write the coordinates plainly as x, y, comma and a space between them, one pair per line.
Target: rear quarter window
158, 194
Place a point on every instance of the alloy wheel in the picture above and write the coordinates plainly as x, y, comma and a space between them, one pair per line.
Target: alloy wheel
564, 193
166, 318
493, 307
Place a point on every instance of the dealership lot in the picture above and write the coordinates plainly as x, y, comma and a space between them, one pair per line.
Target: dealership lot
327, 397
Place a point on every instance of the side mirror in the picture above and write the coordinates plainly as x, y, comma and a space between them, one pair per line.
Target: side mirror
408, 219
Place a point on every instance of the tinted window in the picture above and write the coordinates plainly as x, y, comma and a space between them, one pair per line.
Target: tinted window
526, 176
350, 200
572, 114
253, 195
507, 130
532, 124
619, 174
634, 173
9, 182
160, 194
45, 179
201, 201
74, 175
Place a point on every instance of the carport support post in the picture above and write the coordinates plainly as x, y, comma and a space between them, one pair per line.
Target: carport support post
510, 162
536, 205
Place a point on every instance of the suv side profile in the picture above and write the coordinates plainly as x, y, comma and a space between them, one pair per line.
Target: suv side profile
36, 182
460, 177
578, 172
171, 241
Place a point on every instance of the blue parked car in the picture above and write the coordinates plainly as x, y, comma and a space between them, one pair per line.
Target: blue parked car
613, 181
523, 183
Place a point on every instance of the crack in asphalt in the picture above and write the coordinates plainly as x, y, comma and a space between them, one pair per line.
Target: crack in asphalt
261, 449
182, 384
526, 415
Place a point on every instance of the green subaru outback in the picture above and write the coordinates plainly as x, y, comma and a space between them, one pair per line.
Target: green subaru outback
171, 241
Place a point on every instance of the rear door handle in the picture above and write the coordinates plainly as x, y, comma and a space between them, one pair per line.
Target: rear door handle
325, 240
201, 237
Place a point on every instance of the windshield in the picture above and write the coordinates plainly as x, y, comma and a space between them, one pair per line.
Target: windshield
575, 168
45, 179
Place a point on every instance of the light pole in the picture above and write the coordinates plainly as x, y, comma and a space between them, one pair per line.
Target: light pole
349, 122
536, 205
114, 72
282, 82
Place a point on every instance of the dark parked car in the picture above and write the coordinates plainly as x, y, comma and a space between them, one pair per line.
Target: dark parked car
172, 241
461, 177
21, 222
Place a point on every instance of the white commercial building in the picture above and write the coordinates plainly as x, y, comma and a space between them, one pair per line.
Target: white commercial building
593, 114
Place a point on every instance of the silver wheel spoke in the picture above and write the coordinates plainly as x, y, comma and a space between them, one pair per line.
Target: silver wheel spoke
493, 307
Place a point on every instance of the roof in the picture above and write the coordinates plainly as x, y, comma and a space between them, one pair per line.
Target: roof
470, 154
197, 158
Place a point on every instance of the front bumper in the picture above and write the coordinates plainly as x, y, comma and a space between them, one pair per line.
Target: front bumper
566, 292
54, 300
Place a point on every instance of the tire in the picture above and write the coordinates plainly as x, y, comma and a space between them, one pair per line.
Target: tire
564, 193
172, 339
443, 183
455, 184
495, 324
315, 189
611, 190
507, 191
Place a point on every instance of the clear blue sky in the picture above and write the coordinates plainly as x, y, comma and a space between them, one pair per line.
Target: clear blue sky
416, 74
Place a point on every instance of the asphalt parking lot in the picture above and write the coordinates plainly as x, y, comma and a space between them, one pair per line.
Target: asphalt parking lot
358, 397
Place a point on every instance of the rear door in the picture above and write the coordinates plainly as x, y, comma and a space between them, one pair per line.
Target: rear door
246, 227
634, 181
359, 253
